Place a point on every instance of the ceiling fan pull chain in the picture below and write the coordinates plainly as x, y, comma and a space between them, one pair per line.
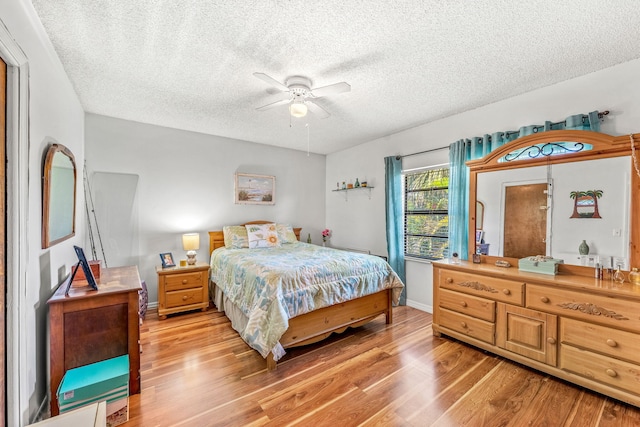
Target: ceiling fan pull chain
307, 139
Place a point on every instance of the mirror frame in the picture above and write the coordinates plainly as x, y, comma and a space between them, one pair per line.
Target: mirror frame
603, 146
46, 194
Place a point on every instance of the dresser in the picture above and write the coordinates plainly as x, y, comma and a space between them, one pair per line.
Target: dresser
183, 289
87, 326
577, 328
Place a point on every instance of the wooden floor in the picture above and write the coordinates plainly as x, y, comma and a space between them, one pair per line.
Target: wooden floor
196, 371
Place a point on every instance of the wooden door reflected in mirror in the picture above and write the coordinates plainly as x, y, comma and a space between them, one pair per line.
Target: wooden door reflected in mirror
525, 220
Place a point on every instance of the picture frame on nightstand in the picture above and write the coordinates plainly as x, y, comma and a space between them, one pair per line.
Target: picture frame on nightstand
167, 260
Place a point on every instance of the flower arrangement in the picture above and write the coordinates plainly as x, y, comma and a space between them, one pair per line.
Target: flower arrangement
326, 233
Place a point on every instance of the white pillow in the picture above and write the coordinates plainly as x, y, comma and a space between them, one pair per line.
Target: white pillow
262, 235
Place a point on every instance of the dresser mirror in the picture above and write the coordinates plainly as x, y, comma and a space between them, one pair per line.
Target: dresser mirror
544, 194
58, 195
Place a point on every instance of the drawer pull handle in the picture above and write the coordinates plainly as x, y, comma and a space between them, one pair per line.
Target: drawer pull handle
464, 304
611, 373
184, 298
184, 281
463, 324
544, 299
506, 291
612, 343
551, 340
449, 280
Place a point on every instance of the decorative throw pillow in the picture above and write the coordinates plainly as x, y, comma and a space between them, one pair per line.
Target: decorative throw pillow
286, 233
262, 235
235, 237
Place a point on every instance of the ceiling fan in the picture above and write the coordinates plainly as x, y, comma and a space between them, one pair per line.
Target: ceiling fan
297, 92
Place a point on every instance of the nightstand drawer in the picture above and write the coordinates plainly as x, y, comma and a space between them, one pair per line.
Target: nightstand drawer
612, 342
470, 326
503, 290
603, 369
467, 304
184, 297
183, 281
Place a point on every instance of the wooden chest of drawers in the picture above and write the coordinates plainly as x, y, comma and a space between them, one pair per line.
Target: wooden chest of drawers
580, 329
182, 289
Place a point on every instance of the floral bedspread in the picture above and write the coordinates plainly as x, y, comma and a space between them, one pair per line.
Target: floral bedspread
272, 285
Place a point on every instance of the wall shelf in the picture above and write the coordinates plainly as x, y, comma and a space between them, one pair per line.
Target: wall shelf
346, 191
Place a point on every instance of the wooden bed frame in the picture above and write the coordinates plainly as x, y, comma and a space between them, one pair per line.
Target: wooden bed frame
319, 324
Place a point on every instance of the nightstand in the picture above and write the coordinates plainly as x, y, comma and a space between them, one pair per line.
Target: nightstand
183, 289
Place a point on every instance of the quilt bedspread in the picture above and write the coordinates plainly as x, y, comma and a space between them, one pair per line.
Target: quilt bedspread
272, 285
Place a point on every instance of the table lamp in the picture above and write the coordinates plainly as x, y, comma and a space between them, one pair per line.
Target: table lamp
191, 243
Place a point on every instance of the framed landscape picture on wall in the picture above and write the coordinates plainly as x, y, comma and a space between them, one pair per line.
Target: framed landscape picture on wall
255, 189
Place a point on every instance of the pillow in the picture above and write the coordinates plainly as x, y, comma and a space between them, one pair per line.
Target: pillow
286, 234
235, 237
262, 235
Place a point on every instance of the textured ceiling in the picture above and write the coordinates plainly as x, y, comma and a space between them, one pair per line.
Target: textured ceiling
190, 64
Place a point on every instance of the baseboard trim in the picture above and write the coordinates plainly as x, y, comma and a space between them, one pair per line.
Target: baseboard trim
420, 306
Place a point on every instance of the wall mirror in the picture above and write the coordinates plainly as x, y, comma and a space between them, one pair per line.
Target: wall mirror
479, 215
58, 195
529, 190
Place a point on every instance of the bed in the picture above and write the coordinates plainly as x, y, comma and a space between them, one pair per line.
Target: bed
297, 293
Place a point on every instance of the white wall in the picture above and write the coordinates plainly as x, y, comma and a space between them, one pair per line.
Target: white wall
186, 184
55, 115
361, 222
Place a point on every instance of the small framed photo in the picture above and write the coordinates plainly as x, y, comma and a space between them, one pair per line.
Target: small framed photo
255, 189
167, 260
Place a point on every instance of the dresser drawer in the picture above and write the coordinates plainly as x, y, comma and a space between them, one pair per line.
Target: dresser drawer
184, 297
470, 326
472, 306
509, 291
183, 281
600, 339
610, 311
606, 370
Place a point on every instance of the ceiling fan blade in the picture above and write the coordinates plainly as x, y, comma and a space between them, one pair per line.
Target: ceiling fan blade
316, 109
271, 81
331, 89
273, 103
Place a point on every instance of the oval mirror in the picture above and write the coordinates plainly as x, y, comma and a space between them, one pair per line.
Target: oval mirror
58, 195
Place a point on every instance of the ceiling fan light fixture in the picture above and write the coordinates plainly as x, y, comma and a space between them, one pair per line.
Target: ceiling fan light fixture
298, 109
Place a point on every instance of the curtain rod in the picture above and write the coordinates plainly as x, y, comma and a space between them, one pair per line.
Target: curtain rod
600, 115
421, 152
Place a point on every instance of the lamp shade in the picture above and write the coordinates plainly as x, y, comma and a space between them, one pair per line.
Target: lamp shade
191, 241
298, 109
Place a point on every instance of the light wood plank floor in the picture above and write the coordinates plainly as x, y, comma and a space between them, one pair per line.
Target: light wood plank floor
196, 371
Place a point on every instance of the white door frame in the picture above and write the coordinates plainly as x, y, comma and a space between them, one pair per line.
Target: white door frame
17, 221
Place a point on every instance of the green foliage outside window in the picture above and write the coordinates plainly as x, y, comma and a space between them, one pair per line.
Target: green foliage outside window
426, 226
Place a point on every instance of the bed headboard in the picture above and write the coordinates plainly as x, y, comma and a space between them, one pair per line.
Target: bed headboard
216, 238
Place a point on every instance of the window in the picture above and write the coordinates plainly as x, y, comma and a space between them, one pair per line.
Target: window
426, 213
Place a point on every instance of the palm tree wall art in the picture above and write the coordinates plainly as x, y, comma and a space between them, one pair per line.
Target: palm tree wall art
585, 203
